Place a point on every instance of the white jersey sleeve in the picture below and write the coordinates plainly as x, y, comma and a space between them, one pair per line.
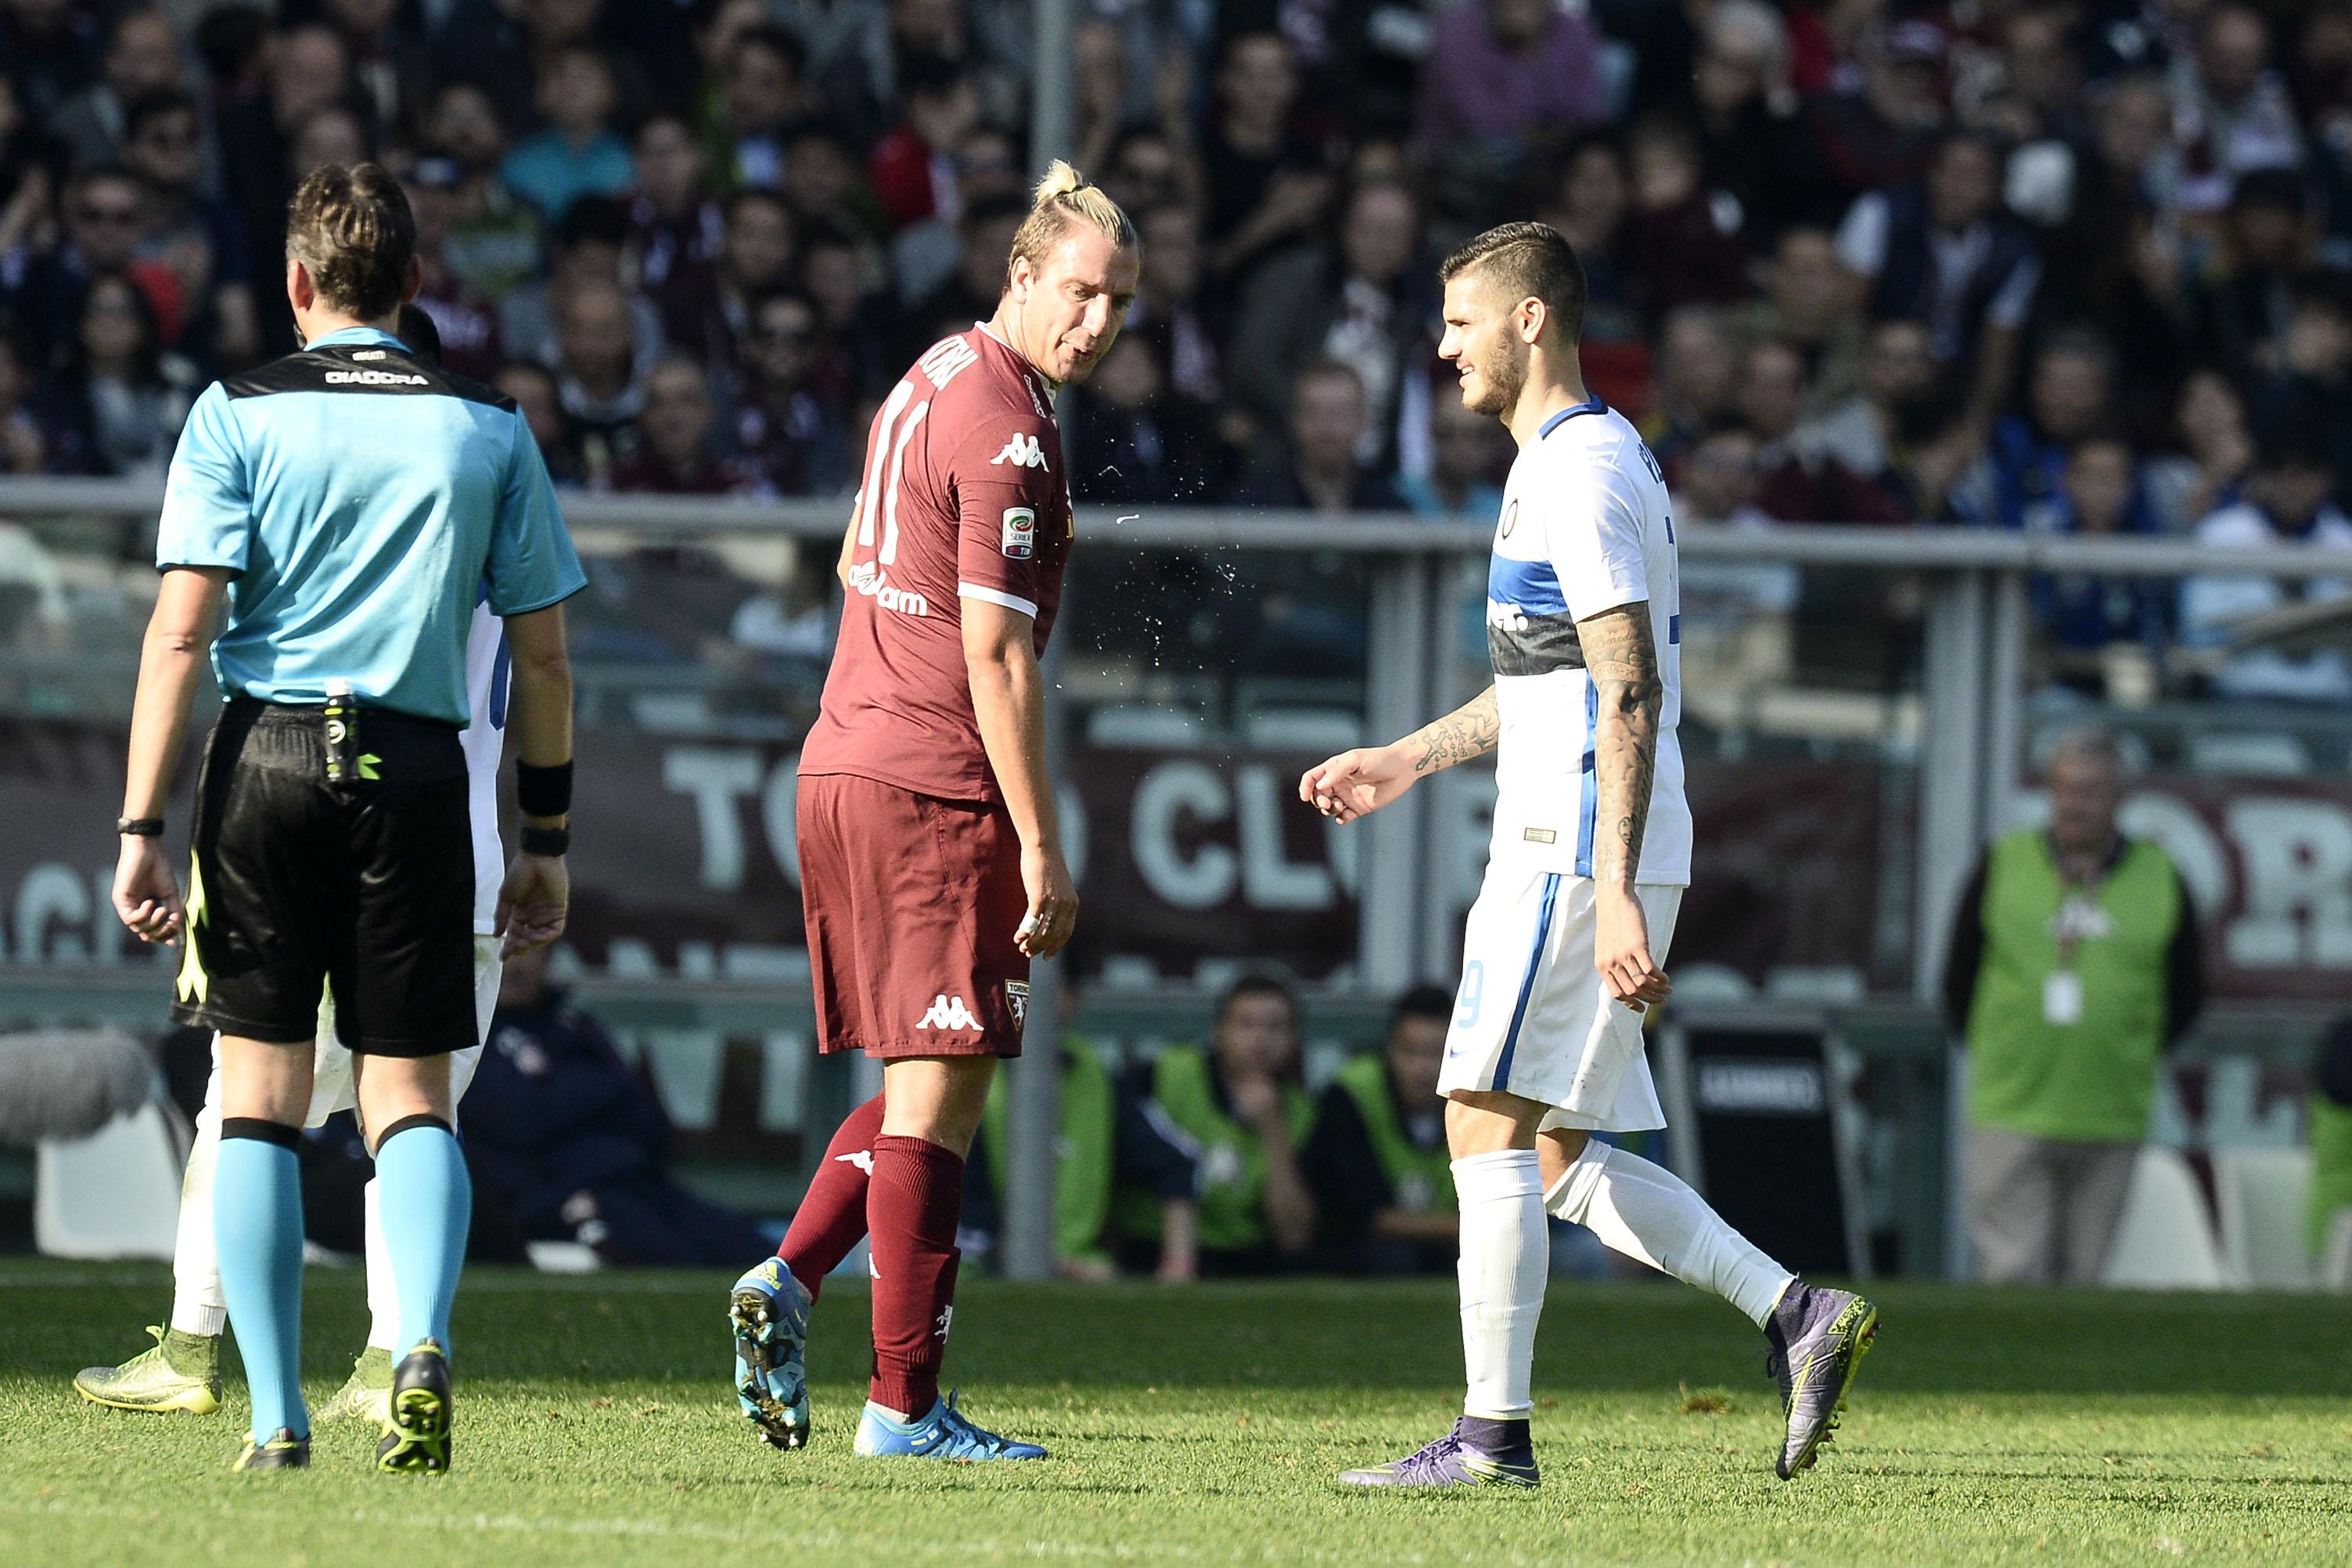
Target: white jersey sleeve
1592, 531
487, 666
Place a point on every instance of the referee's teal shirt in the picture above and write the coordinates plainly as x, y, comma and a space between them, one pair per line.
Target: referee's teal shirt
363, 500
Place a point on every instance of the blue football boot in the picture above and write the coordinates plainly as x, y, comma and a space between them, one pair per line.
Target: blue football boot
944, 1434
770, 1313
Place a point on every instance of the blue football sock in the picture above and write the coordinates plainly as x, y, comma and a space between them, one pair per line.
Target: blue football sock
426, 1201
258, 1223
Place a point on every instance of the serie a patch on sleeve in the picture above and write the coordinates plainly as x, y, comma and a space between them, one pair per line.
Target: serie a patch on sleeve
1020, 531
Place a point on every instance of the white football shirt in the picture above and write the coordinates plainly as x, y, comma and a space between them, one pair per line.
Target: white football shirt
489, 667
1586, 527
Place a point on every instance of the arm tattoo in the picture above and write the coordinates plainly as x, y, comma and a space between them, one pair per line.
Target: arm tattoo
1623, 662
1471, 730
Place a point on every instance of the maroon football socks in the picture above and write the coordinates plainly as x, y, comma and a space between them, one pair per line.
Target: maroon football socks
832, 1219
911, 1209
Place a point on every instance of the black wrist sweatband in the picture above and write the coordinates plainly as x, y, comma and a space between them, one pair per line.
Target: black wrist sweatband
543, 792
546, 842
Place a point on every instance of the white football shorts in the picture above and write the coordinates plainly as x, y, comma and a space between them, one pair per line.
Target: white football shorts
332, 1086
1532, 1018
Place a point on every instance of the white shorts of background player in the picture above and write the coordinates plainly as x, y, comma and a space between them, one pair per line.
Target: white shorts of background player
1532, 1018
197, 1305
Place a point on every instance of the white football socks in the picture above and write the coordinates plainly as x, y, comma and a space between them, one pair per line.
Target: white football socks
198, 1305
1645, 1211
383, 1300
1506, 1254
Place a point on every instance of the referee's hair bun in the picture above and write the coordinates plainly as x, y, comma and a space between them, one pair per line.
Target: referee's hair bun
351, 229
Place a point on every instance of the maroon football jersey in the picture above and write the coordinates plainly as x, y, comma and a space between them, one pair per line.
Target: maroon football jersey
964, 498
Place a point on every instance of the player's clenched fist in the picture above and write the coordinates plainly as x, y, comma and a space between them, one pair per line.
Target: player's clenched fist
1053, 902
1353, 783
146, 894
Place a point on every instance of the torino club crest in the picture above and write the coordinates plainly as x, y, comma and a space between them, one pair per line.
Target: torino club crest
1016, 997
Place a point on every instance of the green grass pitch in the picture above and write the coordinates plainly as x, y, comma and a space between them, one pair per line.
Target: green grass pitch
1203, 1425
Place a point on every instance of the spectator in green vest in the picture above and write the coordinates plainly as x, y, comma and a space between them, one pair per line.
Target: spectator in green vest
1239, 1113
2331, 1138
1377, 1162
2074, 964
1104, 1141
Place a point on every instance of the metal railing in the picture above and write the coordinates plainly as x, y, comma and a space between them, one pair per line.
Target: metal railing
1976, 622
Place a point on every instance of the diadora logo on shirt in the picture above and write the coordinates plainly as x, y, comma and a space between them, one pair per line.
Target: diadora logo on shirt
875, 583
949, 1013
1022, 452
373, 378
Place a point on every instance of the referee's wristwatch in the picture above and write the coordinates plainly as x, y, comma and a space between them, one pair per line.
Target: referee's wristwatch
139, 826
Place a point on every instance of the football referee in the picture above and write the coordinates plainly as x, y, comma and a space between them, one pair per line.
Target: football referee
349, 504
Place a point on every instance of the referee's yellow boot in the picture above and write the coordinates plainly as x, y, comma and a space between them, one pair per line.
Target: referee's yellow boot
365, 1396
181, 1372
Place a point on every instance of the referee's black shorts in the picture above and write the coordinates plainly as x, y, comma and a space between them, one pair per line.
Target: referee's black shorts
366, 883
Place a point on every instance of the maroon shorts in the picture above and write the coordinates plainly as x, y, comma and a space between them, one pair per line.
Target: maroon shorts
911, 902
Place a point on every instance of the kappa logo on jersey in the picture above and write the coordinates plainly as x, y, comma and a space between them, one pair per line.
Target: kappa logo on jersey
1505, 617
949, 1013
1023, 452
373, 378
875, 583
946, 1318
1020, 531
945, 360
861, 1158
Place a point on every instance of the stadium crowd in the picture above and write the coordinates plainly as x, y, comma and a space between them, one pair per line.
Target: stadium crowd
1989, 262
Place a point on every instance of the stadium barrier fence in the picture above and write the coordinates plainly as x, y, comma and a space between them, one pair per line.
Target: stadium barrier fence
1956, 717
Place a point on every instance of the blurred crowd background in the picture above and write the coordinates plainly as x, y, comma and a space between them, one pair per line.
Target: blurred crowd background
2074, 267
2011, 264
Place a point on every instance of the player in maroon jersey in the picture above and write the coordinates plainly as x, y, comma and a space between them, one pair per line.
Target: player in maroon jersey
931, 866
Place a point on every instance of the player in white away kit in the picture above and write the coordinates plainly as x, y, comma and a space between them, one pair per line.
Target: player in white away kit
1591, 850
183, 1371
